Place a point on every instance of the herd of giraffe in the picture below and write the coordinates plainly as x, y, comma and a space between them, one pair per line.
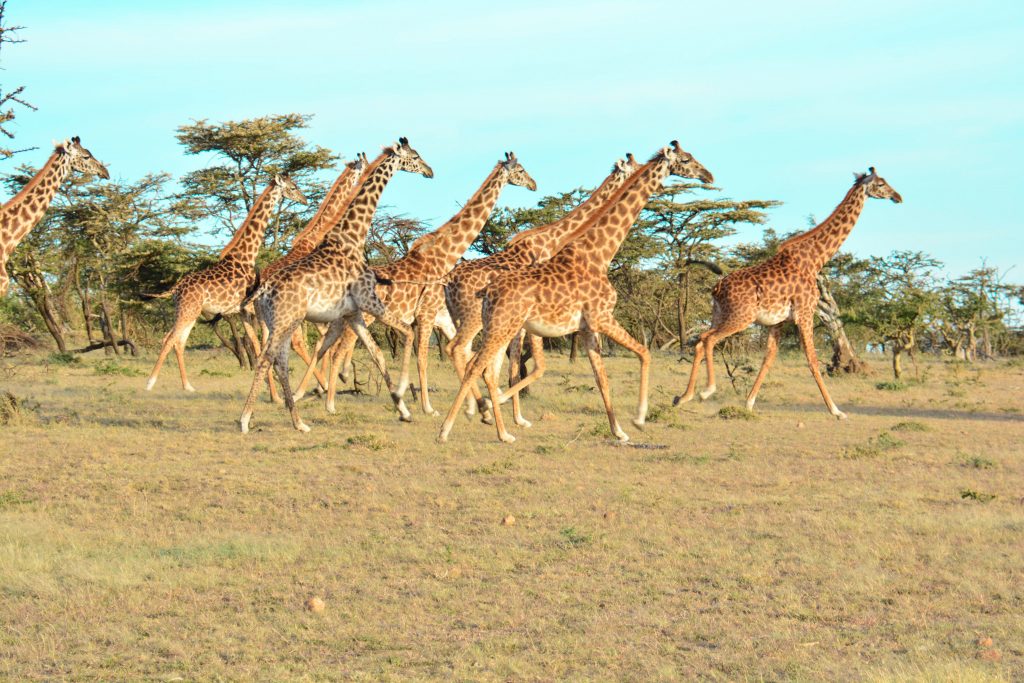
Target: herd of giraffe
550, 281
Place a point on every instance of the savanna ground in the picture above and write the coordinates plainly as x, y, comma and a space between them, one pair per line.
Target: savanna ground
143, 537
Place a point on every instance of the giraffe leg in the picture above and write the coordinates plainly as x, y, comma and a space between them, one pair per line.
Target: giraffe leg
539, 366
491, 373
691, 385
424, 328
774, 332
805, 327
179, 352
481, 360
188, 310
274, 397
611, 328
593, 347
378, 358
312, 365
281, 368
727, 329
271, 350
461, 350
299, 345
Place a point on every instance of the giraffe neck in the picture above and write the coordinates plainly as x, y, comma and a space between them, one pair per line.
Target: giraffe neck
454, 237
546, 240
23, 211
823, 241
350, 231
246, 243
331, 209
599, 241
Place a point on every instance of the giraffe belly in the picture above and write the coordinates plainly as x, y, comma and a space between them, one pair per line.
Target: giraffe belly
774, 316
554, 328
325, 311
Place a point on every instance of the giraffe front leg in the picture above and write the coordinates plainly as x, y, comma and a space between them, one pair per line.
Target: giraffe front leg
281, 367
691, 385
610, 327
805, 327
601, 378
539, 366
492, 370
188, 309
771, 349
424, 328
378, 358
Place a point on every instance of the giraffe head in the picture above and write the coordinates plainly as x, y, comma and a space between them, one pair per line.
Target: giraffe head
409, 159
517, 175
681, 163
875, 186
82, 159
288, 189
627, 166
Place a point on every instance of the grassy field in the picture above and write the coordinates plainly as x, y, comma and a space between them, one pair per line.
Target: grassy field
143, 537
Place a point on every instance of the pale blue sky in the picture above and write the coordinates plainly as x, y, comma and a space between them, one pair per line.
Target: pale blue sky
780, 100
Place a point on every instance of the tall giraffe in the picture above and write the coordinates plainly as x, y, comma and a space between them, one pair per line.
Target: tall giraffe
219, 289
783, 288
430, 257
571, 293
24, 210
469, 278
330, 212
334, 284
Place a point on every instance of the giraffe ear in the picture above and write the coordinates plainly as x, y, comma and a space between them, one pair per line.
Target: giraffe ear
77, 140
403, 141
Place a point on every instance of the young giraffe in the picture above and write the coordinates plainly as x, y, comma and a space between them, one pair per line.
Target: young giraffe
783, 288
24, 210
469, 278
220, 289
331, 211
333, 284
429, 258
568, 293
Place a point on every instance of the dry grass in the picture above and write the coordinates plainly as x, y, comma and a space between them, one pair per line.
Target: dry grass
143, 537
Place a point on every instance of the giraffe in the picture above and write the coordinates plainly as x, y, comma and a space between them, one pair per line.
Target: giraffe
469, 278
334, 284
24, 210
331, 210
783, 288
571, 292
430, 257
220, 288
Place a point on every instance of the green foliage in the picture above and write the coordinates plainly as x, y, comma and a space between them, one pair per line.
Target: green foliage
64, 358
875, 447
736, 413
245, 155
891, 386
910, 426
574, 538
970, 494
110, 366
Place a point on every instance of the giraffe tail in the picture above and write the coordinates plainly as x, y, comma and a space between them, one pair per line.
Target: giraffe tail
713, 267
146, 296
251, 292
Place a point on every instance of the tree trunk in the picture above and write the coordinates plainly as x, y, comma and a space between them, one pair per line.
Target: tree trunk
844, 359
683, 305
229, 346
897, 366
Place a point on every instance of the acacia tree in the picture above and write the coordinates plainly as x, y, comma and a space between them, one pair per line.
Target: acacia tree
80, 246
8, 98
897, 301
246, 153
972, 312
506, 221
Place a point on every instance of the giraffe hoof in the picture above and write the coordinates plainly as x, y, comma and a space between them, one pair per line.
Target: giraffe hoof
707, 393
245, 426
682, 399
432, 413
297, 396
405, 417
639, 423
150, 383
190, 388
302, 427
487, 418
622, 436
507, 438
750, 406
331, 409
523, 422
840, 415
442, 438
